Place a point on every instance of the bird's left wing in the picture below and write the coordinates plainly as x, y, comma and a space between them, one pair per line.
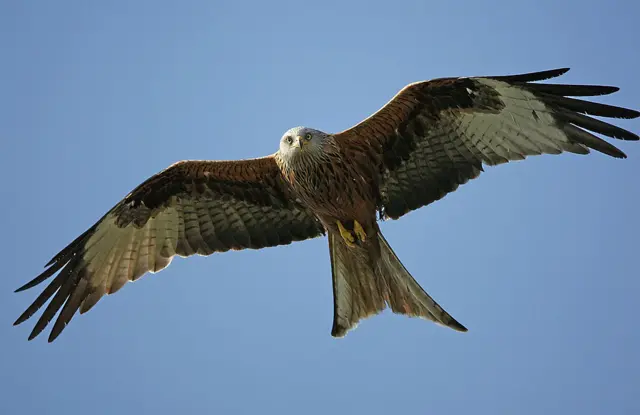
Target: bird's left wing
192, 207
436, 135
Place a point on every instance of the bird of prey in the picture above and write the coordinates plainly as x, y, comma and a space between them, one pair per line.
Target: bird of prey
431, 137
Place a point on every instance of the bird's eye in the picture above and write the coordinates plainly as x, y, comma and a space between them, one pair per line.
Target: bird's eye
308, 136
289, 139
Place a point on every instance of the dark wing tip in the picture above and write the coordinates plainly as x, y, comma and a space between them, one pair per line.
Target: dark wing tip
46, 293
532, 76
24, 287
23, 317
37, 280
60, 259
608, 89
562, 90
55, 332
65, 262
631, 114
575, 115
46, 274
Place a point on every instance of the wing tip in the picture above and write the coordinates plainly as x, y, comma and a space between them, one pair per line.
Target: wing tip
37, 280
532, 76
20, 320
619, 154
34, 333
609, 89
632, 114
55, 333
556, 72
24, 287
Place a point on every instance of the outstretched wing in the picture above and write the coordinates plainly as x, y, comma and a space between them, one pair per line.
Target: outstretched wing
192, 207
435, 135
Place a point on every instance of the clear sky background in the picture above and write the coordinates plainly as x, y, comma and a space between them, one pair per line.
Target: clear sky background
539, 259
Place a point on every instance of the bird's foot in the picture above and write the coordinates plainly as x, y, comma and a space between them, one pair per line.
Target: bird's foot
360, 233
349, 239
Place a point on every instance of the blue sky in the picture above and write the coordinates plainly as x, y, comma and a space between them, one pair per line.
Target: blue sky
539, 259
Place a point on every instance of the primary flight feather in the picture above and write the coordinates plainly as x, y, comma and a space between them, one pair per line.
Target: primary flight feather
430, 138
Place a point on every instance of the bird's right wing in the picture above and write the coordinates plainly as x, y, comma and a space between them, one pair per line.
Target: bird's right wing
436, 135
192, 207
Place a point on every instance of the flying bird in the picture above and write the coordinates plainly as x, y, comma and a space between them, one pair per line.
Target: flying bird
430, 138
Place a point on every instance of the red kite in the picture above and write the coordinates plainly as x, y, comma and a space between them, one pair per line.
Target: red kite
430, 138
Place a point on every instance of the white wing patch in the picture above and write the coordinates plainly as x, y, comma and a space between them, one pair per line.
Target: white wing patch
524, 127
114, 255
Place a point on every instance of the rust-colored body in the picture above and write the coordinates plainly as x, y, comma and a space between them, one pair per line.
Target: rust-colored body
343, 187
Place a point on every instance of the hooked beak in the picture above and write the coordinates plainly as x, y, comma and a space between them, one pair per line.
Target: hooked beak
299, 141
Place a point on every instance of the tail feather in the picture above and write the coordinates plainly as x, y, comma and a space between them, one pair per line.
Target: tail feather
366, 280
412, 300
356, 293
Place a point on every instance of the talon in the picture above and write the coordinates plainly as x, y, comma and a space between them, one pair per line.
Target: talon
357, 228
346, 235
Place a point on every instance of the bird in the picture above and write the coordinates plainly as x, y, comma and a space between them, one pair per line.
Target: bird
426, 141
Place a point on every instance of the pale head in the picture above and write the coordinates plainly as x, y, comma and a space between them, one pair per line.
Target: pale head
302, 143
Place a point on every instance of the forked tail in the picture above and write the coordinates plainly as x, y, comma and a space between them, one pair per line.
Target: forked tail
367, 278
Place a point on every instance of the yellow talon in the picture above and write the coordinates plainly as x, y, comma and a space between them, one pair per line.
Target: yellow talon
346, 235
357, 228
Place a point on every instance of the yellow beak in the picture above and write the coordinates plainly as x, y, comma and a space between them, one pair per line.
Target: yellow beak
300, 141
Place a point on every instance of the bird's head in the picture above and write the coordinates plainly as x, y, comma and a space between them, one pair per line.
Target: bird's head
302, 143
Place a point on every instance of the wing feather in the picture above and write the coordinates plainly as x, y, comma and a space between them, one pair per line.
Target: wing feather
435, 135
192, 207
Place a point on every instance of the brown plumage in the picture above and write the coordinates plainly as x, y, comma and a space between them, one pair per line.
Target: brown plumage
430, 138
